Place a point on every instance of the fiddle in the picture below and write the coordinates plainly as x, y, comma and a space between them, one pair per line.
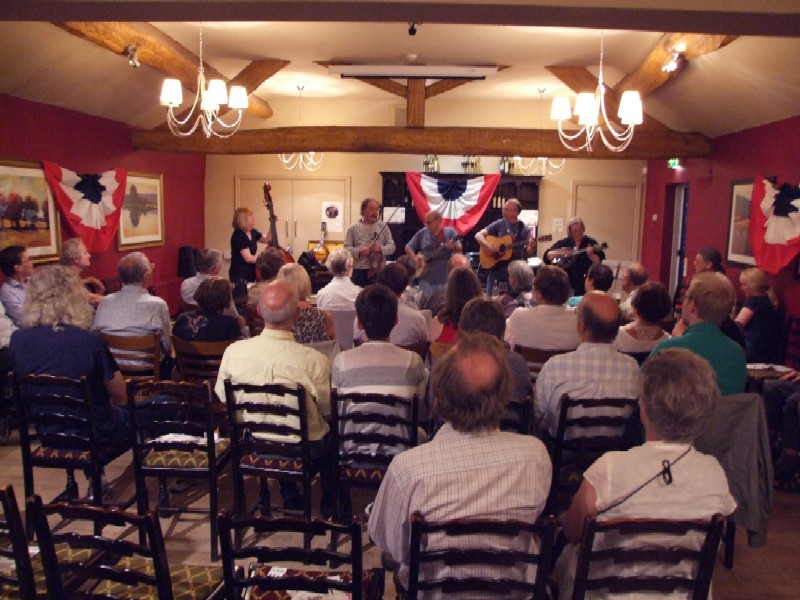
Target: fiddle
273, 229
376, 256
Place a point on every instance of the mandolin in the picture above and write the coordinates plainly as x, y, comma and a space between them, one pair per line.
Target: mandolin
320, 251
423, 258
273, 229
505, 246
566, 261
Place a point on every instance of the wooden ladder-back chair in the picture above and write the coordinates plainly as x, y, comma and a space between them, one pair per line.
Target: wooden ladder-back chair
16, 582
198, 361
517, 417
421, 348
114, 565
269, 440
649, 555
275, 570
254, 321
173, 436
536, 359
495, 558
587, 429
58, 429
343, 321
138, 356
436, 350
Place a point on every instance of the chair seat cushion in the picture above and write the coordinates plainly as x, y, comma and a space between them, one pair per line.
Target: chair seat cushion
189, 582
363, 473
63, 553
46, 452
178, 459
367, 583
269, 462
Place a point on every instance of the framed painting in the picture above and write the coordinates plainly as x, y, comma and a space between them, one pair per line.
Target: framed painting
142, 221
739, 251
28, 215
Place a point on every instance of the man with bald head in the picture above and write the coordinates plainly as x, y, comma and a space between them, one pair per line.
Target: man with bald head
470, 469
274, 357
633, 277
594, 370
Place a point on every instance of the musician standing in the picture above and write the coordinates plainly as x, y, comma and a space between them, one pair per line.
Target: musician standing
583, 252
509, 225
436, 244
369, 241
244, 245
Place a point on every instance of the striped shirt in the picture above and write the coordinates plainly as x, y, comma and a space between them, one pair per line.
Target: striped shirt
361, 235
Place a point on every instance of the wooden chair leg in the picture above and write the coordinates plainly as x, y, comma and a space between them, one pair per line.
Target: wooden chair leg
728, 541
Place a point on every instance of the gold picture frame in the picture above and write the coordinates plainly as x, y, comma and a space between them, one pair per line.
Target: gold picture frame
141, 223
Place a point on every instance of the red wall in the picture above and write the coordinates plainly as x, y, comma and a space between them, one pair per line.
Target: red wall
32, 132
769, 150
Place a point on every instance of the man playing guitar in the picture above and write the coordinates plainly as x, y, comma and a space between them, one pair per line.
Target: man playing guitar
436, 244
522, 242
575, 254
369, 241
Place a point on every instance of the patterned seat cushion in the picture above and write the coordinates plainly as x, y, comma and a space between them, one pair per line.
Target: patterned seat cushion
367, 583
189, 582
44, 452
178, 459
63, 553
267, 462
366, 473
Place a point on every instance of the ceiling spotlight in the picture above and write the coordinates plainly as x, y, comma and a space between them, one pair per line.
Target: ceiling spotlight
133, 60
675, 59
412, 29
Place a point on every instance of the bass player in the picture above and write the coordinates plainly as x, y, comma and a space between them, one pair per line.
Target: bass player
436, 244
522, 243
575, 254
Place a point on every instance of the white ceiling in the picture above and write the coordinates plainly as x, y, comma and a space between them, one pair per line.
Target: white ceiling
752, 81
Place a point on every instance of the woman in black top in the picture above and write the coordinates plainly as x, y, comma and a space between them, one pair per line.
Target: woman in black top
244, 245
208, 324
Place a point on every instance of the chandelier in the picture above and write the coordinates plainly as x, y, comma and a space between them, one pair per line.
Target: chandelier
588, 108
310, 161
541, 165
208, 100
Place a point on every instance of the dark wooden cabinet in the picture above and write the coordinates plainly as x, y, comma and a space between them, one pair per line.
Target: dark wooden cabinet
395, 193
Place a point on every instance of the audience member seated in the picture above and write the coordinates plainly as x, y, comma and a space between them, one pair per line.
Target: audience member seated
377, 365
470, 469
17, 268
708, 303
436, 301
412, 295
549, 325
75, 256
208, 324
781, 399
274, 357
594, 370
411, 327
666, 478
268, 263
133, 311
633, 277
341, 292
7, 327
462, 286
599, 278
650, 305
485, 315
209, 264
312, 324
760, 318
56, 340
520, 287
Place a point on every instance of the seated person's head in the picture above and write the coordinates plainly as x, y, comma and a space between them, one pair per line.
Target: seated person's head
340, 263
72, 251
405, 262
678, 393
268, 263
485, 315
713, 296
210, 261
600, 278
598, 318
552, 284
55, 295
651, 302
133, 268
634, 276
278, 305
376, 311
298, 277
458, 260
213, 294
462, 286
472, 383
393, 276
520, 276
11, 257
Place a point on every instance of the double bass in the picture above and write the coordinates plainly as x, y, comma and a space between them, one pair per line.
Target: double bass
273, 229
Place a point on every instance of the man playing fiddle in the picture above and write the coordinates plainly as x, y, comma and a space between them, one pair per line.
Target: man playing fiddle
582, 250
369, 241
522, 244
437, 244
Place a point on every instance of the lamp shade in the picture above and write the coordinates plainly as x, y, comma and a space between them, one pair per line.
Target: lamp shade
238, 97
217, 93
171, 93
560, 109
630, 108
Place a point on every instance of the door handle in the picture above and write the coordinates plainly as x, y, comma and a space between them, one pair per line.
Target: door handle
287, 227
295, 228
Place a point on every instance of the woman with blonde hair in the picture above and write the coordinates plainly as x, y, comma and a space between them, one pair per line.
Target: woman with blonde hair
759, 318
312, 324
244, 245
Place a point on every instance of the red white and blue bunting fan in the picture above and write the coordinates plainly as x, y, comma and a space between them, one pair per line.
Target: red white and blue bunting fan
462, 202
774, 224
91, 204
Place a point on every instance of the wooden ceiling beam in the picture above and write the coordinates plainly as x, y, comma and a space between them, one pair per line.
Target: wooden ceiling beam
156, 49
404, 140
386, 84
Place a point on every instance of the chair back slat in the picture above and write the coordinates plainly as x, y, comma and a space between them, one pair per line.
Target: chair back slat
198, 361
536, 357
138, 356
490, 556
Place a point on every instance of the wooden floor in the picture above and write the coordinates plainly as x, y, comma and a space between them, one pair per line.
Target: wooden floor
770, 572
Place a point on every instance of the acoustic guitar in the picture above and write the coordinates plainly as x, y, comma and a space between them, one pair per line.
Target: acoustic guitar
566, 261
273, 229
505, 246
